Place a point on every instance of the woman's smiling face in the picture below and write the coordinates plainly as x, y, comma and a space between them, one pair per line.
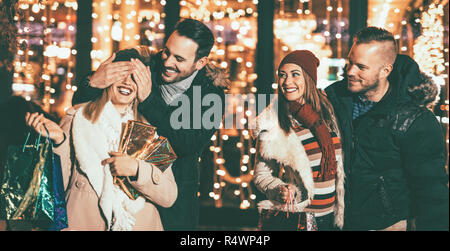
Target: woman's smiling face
292, 82
124, 93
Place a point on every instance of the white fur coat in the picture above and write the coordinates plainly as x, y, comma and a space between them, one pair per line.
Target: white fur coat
275, 147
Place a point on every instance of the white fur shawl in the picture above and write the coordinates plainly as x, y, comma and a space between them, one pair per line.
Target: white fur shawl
92, 143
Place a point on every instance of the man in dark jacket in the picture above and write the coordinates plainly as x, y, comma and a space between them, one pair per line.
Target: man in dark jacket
394, 149
175, 79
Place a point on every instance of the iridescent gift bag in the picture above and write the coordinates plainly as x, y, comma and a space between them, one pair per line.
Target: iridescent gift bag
59, 197
32, 188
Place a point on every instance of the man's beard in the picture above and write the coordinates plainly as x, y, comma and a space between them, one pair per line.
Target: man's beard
367, 88
178, 78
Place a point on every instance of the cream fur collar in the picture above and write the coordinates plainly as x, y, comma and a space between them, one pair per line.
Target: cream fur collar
92, 143
288, 150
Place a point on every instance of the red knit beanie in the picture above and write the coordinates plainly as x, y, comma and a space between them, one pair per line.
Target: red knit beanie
304, 59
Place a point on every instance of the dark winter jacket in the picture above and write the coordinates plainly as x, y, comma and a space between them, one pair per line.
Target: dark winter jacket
188, 144
394, 157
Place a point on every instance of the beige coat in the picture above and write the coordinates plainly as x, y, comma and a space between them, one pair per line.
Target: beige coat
83, 208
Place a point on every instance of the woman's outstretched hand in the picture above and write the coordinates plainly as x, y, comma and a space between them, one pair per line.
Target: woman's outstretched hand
37, 122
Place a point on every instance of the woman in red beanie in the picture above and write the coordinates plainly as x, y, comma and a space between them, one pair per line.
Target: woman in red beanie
299, 162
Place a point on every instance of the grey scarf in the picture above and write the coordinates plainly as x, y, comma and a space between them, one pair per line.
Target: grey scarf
171, 91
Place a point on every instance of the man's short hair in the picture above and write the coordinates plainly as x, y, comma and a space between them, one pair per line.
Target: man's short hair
199, 33
374, 34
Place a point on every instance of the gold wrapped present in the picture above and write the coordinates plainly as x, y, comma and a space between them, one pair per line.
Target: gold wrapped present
140, 141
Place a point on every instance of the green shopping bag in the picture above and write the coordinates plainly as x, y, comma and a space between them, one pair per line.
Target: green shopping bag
26, 191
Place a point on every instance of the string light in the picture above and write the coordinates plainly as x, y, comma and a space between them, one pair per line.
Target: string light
327, 21
386, 15
429, 47
429, 51
339, 29
297, 32
239, 20
47, 62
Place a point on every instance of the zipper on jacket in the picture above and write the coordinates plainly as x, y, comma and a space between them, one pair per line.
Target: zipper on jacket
348, 184
350, 166
385, 201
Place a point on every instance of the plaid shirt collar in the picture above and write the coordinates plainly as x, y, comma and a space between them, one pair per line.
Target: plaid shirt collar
361, 105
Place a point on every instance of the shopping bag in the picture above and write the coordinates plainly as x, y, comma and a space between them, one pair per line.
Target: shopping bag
32, 184
274, 220
59, 197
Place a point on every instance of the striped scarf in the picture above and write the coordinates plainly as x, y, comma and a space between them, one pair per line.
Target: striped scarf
310, 119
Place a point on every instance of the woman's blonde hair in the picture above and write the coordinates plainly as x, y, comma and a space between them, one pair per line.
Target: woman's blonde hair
94, 108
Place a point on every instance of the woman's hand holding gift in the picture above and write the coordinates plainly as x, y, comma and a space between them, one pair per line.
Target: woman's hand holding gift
122, 164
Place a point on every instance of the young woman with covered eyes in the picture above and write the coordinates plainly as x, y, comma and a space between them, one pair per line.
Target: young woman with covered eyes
87, 141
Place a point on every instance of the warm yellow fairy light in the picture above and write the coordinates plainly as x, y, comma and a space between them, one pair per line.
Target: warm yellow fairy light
220, 172
245, 204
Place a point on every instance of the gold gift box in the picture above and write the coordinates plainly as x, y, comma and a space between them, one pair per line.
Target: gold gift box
140, 141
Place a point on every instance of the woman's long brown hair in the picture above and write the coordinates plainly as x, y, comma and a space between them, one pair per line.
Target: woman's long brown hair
313, 96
